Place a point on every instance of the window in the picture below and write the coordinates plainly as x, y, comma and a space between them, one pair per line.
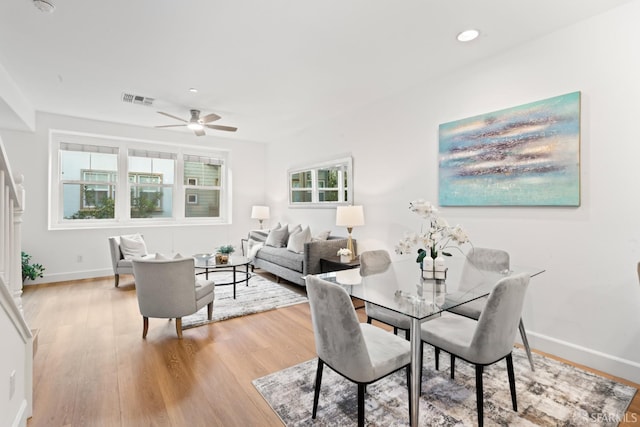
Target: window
203, 177
108, 182
323, 184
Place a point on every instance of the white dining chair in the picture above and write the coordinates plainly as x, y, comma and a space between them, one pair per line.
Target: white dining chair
375, 262
486, 260
360, 352
485, 341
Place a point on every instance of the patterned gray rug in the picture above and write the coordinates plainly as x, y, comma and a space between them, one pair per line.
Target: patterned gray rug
555, 394
260, 295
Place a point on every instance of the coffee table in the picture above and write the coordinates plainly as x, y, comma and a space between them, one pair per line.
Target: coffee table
207, 262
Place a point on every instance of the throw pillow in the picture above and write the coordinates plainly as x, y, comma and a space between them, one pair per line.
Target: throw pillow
297, 240
278, 237
162, 257
322, 236
132, 246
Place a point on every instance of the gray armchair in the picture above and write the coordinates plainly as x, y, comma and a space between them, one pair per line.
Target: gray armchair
120, 263
487, 340
373, 262
479, 260
168, 288
358, 351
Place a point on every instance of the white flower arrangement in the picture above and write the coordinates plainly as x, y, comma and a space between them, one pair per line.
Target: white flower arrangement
435, 234
344, 252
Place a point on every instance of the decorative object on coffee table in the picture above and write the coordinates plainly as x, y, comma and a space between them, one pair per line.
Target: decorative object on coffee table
350, 216
223, 252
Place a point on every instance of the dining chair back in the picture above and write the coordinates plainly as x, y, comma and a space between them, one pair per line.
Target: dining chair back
377, 262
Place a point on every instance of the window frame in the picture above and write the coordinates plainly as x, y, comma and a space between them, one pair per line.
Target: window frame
343, 162
122, 214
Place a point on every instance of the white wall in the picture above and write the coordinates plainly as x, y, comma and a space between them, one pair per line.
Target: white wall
58, 250
586, 305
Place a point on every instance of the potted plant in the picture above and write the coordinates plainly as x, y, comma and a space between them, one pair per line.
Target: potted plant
30, 271
223, 252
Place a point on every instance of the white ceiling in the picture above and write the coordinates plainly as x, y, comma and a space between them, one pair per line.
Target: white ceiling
268, 67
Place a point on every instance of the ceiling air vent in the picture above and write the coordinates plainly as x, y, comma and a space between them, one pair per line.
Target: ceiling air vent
137, 99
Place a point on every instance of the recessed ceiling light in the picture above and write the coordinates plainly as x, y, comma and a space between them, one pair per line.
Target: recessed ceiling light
193, 90
468, 35
44, 5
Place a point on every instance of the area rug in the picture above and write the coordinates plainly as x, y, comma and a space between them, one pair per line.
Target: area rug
555, 394
261, 295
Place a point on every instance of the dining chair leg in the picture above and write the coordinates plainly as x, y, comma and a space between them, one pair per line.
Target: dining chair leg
512, 382
145, 326
409, 386
316, 393
369, 319
453, 366
407, 334
525, 342
395, 330
361, 388
479, 395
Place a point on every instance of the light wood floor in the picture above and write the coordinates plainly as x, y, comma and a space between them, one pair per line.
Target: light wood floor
92, 367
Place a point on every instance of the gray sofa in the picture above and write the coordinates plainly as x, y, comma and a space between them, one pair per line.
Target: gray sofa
292, 266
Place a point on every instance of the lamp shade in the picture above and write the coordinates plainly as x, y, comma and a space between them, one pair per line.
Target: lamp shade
349, 216
260, 212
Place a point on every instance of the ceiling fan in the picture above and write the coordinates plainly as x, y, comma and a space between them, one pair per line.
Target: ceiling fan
198, 124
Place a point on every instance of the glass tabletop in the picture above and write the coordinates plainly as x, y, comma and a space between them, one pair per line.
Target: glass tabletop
401, 287
209, 261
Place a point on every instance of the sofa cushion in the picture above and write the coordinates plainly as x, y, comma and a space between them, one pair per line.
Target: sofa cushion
297, 240
282, 257
323, 235
278, 237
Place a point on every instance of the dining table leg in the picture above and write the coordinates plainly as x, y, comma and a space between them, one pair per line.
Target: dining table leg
416, 342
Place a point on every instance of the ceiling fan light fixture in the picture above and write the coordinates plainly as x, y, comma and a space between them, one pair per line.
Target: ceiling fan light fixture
44, 5
468, 35
195, 126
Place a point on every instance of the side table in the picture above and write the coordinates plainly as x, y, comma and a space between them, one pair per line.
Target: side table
330, 264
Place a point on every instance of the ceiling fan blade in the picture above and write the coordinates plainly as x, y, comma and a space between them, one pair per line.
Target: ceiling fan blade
173, 117
210, 118
169, 126
199, 132
226, 128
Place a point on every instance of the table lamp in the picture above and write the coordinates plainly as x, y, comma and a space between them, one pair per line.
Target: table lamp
350, 216
260, 213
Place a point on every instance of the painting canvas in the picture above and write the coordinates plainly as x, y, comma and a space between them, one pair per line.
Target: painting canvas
522, 156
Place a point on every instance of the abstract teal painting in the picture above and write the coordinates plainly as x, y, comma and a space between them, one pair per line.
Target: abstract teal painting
522, 156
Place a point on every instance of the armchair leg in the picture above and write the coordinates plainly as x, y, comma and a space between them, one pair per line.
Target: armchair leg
179, 326
512, 382
369, 319
145, 327
117, 279
210, 310
437, 357
479, 395
316, 393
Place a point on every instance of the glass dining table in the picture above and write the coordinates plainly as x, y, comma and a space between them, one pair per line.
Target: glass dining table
402, 288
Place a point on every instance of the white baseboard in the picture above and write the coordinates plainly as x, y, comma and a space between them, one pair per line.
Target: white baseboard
613, 365
76, 275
